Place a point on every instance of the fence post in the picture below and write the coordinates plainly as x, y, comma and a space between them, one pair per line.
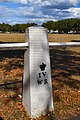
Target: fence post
37, 86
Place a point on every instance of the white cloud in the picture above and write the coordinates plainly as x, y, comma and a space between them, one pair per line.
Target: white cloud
22, 15
75, 12
74, 2
43, 2
16, 1
39, 10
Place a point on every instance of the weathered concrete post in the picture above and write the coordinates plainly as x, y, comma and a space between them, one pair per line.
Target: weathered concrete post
37, 87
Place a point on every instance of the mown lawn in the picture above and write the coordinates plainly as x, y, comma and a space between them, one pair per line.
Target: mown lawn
51, 37
12, 37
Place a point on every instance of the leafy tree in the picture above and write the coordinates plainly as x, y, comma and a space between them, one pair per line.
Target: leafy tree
20, 28
49, 25
5, 27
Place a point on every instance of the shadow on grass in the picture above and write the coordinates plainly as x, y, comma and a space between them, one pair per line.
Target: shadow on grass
77, 117
65, 66
12, 85
15, 84
75, 40
11, 54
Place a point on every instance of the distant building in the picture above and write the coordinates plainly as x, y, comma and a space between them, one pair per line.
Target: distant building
70, 32
7, 32
56, 31
0, 31
53, 32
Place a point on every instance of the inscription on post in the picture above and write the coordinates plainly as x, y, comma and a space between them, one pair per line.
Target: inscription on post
42, 76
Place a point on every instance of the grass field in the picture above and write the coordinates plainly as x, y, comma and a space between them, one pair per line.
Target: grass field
65, 69
12, 37
51, 37
63, 38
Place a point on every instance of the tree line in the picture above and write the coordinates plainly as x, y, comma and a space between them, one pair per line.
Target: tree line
61, 26
17, 28
64, 26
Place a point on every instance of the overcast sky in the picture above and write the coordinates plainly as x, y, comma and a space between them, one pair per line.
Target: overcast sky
38, 11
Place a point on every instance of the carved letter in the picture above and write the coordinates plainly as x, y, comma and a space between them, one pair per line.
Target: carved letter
39, 82
44, 74
39, 75
45, 81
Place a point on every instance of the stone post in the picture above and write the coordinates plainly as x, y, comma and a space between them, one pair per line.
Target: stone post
37, 85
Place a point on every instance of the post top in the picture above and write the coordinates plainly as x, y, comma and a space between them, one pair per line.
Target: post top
37, 27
